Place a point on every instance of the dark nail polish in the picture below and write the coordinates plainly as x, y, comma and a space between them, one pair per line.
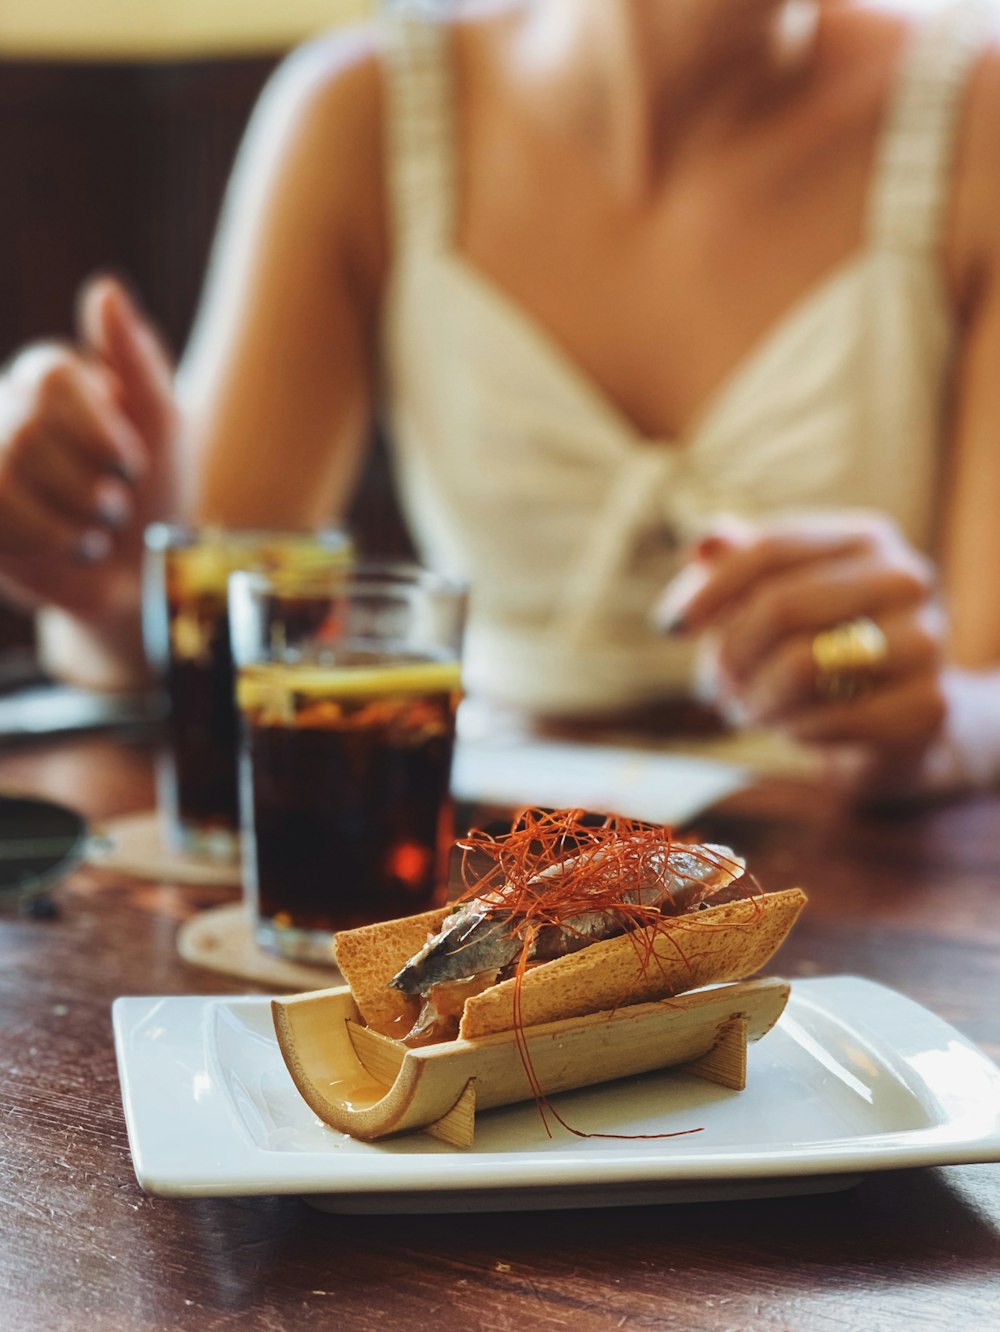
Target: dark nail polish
93, 547
113, 512
124, 473
41, 908
709, 547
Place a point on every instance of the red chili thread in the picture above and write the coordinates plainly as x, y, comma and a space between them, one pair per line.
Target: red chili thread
553, 866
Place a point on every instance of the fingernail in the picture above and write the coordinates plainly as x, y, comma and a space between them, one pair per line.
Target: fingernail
93, 547
672, 623
42, 908
669, 615
124, 472
112, 516
709, 548
672, 613
113, 507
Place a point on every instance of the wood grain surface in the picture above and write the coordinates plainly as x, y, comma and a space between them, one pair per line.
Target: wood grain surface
911, 899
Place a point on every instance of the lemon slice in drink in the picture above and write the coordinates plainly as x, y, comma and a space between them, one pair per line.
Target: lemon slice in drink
204, 569
273, 686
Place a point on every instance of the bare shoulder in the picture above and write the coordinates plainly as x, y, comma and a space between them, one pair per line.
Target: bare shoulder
333, 79
479, 30
333, 86
315, 138
320, 124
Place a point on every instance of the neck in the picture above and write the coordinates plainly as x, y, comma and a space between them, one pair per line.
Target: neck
640, 75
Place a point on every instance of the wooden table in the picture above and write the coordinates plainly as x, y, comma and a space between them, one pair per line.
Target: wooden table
912, 900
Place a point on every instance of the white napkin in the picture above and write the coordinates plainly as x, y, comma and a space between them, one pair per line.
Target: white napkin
637, 783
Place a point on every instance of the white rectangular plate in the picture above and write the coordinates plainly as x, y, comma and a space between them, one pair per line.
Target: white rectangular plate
854, 1078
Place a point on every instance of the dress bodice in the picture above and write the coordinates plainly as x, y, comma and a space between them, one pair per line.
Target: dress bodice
519, 474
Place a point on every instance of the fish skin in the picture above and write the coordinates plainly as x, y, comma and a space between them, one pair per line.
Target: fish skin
470, 941
475, 939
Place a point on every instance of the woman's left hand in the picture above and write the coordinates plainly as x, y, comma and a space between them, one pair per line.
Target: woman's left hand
762, 595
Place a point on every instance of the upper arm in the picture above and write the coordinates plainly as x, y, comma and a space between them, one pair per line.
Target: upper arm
971, 537
971, 528
277, 380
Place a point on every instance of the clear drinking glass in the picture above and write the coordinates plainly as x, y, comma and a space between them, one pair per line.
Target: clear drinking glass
347, 690
186, 630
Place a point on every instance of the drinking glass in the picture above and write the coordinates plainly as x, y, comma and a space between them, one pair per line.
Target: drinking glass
347, 689
186, 630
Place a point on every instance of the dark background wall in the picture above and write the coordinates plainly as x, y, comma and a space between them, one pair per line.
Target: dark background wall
123, 167
119, 166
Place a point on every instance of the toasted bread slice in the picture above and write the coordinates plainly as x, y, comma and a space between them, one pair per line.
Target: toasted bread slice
722, 943
371, 955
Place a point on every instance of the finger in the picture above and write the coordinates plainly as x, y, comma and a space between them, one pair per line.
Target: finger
51, 388
32, 529
811, 597
902, 713
724, 535
670, 614
125, 341
738, 570
785, 682
59, 477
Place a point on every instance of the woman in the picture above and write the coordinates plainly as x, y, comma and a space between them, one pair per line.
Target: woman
625, 275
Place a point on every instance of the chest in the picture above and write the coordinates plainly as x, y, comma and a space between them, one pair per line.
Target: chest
660, 304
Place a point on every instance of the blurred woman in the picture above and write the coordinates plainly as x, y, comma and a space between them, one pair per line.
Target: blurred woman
640, 287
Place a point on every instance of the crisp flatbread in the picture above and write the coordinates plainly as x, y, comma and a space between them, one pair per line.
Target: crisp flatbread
722, 943
371, 955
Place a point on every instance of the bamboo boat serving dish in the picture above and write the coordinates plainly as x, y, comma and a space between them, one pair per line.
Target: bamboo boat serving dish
370, 1086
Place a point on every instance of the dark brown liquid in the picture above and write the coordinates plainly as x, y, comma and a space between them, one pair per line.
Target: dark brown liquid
350, 804
202, 722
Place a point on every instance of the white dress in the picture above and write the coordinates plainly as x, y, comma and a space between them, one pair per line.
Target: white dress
517, 472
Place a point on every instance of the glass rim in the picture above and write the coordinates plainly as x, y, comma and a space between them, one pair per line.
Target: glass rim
372, 575
162, 536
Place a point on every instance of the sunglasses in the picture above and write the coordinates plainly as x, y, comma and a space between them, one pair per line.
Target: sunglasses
40, 843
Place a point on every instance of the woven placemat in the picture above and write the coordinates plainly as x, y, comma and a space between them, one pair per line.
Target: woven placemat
222, 940
134, 844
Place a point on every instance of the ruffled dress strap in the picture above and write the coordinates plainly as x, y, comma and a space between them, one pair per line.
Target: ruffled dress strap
419, 129
913, 174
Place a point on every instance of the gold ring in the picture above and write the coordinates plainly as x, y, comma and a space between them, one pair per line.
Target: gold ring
848, 658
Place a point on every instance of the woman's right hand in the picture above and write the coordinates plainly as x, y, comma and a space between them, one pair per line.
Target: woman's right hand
86, 436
